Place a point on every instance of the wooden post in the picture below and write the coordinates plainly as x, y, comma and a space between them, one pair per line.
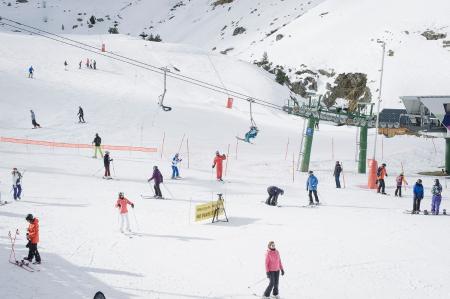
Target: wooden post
226, 164
187, 147
287, 149
237, 142
162, 145
181, 144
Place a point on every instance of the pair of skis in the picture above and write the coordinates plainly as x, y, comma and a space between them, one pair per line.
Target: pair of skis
12, 256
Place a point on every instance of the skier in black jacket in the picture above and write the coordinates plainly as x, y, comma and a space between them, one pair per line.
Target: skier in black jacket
274, 192
337, 174
106, 162
80, 115
97, 142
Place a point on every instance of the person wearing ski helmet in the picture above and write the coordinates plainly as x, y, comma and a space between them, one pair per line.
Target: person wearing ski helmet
106, 162
17, 183
273, 268
175, 172
158, 179
97, 142
418, 196
33, 239
218, 161
311, 187
274, 192
436, 191
381, 174
122, 204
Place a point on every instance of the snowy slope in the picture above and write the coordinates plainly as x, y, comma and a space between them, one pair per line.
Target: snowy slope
357, 245
339, 35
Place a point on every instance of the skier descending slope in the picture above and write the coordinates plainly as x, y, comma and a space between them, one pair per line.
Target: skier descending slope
106, 162
158, 179
30, 72
218, 161
122, 204
33, 120
311, 187
33, 239
80, 115
175, 161
273, 268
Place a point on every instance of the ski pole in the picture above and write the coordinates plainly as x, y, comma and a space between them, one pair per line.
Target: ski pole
97, 171
114, 171
257, 282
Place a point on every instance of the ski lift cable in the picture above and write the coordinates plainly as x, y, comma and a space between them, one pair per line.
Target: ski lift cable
235, 94
217, 73
139, 64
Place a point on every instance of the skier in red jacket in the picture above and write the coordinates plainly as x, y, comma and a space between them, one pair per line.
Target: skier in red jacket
218, 161
33, 239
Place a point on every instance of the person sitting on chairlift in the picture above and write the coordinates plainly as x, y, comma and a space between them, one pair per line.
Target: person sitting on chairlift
251, 134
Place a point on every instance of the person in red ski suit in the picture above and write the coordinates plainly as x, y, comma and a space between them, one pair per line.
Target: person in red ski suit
218, 161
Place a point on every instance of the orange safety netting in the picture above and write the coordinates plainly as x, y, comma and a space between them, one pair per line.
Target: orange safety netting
77, 145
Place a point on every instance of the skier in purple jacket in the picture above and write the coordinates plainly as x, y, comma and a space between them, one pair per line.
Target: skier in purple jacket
158, 179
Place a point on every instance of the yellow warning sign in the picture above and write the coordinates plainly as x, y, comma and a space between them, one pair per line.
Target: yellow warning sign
207, 210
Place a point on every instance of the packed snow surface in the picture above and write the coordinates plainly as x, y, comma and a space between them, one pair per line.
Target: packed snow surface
356, 245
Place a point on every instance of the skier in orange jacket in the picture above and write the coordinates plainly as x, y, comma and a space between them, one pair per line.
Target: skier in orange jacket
218, 160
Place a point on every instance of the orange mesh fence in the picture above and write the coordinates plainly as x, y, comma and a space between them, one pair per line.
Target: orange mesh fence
79, 145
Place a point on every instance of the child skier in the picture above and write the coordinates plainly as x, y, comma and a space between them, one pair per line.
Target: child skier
65, 65
218, 161
106, 162
273, 268
274, 192
33, 239
418, 196
17, 183
436, 190
122, 204
33, 120
311, 187
158, 179
97, 145
400, 180
175, 161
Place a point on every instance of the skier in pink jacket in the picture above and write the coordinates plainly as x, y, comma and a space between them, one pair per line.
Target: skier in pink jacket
273, 268
122, 203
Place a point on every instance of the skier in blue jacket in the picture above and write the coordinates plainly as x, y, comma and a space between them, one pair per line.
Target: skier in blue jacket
251, 134
418, 196
311, 186
175, 161
30, 72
